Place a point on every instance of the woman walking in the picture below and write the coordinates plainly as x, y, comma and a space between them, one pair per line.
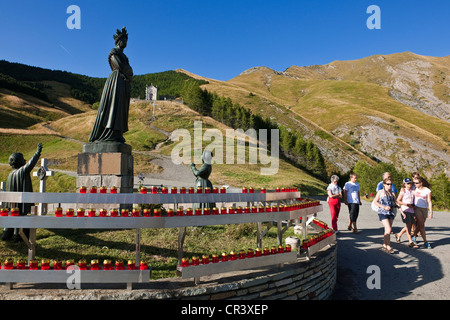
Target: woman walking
423, 207
385, 200
352, 199
334, 201
406, 201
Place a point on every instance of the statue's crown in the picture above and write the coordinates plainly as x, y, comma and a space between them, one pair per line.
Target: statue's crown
120, 34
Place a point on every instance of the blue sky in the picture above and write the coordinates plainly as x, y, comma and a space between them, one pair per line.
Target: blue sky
218, 39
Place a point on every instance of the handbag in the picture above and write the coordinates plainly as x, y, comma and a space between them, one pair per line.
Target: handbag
374, 206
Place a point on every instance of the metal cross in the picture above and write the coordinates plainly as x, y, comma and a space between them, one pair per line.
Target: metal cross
43, 173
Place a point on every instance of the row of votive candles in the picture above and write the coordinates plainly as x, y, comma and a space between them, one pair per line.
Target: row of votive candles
178, 212
174, 190
63, 265
314, 239
195, 261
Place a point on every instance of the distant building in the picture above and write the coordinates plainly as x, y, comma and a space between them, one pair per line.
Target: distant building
151, 93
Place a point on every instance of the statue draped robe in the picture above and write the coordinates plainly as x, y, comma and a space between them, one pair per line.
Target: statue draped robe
112, 115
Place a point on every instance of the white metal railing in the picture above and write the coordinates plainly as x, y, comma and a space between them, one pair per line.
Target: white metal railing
181, 222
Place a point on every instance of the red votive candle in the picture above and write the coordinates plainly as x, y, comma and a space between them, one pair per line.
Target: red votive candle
191, 190
224, 257
170, 212
57, 264
4, 212
179, 212
83, 189
207, 190
135, 213
157, 213
251, 190
199, 190
205, 259
185, 262
80, 212
274, 208
154, 190
280, 249
246, 209
114, 212
278, 190
103, 213
189, 212
93, 189
233, 255
231, 210
182, 190
268, 209
254, 209
106, 264
14, 212
215, 211
215, 258
143, 190
206, 211
198, 211
261, 208
173, 190
33, 264
215, 190
147, 212
288, 248
131, 265
195, 261
9, 263
94, 264
143, 265
113, 190
223, 210
263, 190
20, 264
69, 212
91, 213
103, 189
250, 253
244, 190
69, 263
223, 190
266, 251
165, 190
58, 212
241, 254
118, 265
82, 264
124, 213
258, 252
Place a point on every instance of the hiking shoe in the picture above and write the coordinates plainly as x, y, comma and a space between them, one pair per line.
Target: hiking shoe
427, 245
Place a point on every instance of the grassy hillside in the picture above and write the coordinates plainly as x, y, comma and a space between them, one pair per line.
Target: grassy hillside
385, 108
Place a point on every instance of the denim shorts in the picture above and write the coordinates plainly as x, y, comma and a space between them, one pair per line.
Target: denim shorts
385, 216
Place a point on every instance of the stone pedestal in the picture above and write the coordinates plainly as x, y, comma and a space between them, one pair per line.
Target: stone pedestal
106, 164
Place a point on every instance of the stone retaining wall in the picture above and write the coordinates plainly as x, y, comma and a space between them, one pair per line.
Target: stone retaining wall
305, 279
313, 279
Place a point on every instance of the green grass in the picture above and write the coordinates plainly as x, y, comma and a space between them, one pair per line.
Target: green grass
158, 246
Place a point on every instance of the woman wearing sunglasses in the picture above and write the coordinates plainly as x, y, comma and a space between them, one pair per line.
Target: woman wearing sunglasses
423, 207
406, 201
385, 200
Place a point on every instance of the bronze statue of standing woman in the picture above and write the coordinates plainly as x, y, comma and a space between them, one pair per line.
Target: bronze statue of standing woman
112, 116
